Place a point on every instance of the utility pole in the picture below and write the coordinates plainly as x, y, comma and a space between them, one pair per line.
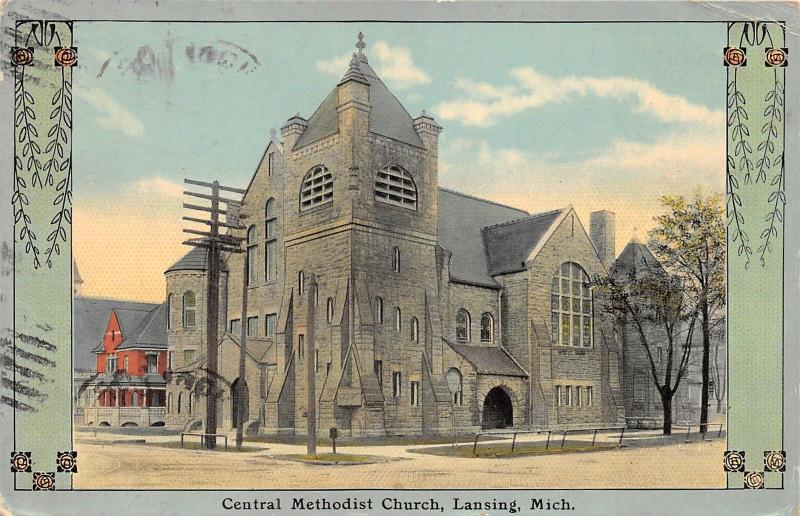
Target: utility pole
242, 402
311, 373
214, 243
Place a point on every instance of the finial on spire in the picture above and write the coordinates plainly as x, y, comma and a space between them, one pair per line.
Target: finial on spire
360, 45
635, 238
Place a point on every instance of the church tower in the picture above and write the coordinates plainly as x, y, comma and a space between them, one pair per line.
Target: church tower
360, 210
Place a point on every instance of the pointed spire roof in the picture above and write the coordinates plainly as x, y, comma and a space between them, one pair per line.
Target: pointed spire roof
387, 115
194, 260
76, 276
635, 258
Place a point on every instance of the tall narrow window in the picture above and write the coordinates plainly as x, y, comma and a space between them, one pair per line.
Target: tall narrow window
180, 401
189, 308
252, 326
377, 366
152, 363
396, 259
316, 360
169, 313
379, 310
571, 306
270, 324
329, 310
487, 327
271, 235
414, 329
301, 282
270, 164
589, 400
252, 254
236, 327
301, 345
397, 389
317, 188
414, 394
462, 326
395, 186
578, 395
398, 320
169, 360
558, 395
568, 395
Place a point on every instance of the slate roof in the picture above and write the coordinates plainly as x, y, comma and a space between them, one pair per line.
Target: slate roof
89, 321
194, 260
140, 329
151, 332
387, 116
461, 218
488, 359
636, 257
509, 244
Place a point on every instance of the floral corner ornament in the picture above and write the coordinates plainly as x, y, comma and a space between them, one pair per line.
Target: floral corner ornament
67, 462
775, 461
66, 56
735, 56
754, 480
776, 57
21, 56
44, 481
21, 462
733, 461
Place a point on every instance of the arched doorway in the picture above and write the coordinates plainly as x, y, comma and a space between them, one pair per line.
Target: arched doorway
239, 391
498, 411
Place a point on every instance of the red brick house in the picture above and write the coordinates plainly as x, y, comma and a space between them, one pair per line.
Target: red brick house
131, 362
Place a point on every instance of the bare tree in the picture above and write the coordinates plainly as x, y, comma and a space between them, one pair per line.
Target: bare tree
653, 305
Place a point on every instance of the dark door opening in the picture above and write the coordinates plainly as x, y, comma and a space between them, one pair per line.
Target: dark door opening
498, 412
239, 393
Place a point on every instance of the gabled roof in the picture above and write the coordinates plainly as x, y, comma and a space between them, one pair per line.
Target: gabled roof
387, 115
509, 244
635, 258
461, 218
194, 260
488, 359
151, 332
89, 322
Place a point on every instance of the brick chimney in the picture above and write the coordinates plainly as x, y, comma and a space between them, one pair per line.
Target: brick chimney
601, 231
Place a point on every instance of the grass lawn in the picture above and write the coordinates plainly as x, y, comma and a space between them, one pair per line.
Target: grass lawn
389, 440
189, 445
335, 458
503, 450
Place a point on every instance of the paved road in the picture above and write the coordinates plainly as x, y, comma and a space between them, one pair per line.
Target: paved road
649, 464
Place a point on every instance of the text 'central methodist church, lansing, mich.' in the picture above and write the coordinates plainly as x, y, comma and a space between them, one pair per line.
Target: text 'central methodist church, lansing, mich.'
436, 312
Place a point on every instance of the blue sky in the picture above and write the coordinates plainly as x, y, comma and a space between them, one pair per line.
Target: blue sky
601, 116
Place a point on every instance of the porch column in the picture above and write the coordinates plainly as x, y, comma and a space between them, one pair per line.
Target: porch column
146, 400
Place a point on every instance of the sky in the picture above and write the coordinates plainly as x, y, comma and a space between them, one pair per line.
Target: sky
537, 116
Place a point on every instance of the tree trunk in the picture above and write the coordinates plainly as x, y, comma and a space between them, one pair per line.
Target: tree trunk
719, 406
666, 403
706, 372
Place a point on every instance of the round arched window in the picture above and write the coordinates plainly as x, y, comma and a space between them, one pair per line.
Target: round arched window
317, 188
463, 326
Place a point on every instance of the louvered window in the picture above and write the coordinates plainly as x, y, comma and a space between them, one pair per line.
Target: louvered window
317, 188
393, 185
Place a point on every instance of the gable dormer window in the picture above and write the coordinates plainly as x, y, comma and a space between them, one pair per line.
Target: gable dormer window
317, 188
395, 186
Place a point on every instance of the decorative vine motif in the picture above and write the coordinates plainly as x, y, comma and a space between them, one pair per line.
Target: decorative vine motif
738, 115
20, 201
735, 216
62, 100
770, 129
24, 102
778, 202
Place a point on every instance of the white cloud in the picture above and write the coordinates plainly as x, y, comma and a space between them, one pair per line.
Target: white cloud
627, 178
484, 103
113, 115
159, 186
394, 65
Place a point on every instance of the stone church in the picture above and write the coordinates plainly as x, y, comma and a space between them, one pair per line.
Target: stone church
436, 311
